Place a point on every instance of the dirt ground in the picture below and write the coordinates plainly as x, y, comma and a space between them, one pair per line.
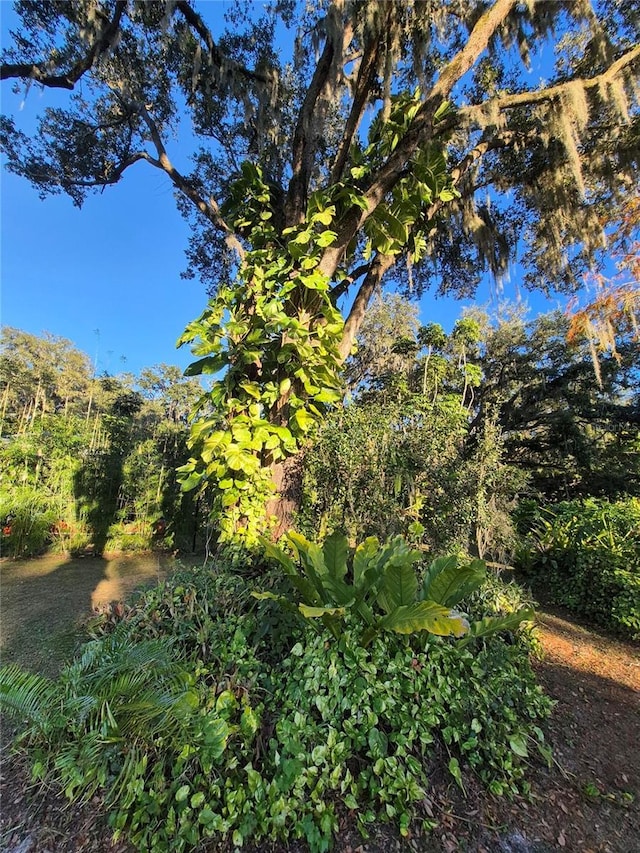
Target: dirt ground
588, 801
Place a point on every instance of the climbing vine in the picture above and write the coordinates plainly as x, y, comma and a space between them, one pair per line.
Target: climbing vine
272, 337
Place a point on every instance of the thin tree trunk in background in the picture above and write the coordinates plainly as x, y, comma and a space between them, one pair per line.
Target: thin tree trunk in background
5, 401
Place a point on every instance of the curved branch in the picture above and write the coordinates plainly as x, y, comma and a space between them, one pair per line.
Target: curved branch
217, 58
41, 71
420, 131
209, 208
304, 139
366, 71
377, 269
521, 99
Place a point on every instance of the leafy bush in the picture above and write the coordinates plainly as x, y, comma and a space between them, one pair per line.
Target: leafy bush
27, 520
585, 555
203, 713
379, 588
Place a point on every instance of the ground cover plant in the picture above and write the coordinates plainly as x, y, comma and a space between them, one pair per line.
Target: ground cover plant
200, 712
585, 555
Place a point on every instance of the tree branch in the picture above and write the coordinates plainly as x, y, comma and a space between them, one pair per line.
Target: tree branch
343, 286
41, 72
304, 139
420, 131
521, 99
366, 71
209, 208
377, 269
217, 58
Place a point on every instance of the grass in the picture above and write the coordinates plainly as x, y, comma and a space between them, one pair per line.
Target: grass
44, 601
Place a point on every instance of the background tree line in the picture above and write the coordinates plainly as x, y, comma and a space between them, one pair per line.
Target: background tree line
89, 461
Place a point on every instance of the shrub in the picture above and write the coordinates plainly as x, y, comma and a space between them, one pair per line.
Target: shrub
585, 555
26, 521
203, 713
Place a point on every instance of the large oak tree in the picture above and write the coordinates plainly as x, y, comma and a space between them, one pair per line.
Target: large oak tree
403, 141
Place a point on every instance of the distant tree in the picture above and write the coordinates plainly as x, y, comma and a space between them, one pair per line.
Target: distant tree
166, 385
574, 436
404, 140
39, 374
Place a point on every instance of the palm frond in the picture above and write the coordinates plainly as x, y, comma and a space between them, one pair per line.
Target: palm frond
26, 695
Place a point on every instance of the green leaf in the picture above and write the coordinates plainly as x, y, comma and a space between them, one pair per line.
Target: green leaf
335, 550
493, 624
448, 583
326, 238
399, 587
197, 800
249, 722
518, 745
319, 612
364, 553
454, 769
208, 365
182, 793
425, 616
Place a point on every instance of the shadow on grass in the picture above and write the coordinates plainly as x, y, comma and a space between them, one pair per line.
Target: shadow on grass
45, 600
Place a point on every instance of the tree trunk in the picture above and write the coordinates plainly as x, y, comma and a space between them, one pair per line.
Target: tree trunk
287, 477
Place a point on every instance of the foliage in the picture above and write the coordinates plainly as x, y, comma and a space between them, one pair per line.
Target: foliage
413, 451
203, 714
27, 523
376, 589
332, 583
573, 436
90, 461
274, 333
585, 556
297, 200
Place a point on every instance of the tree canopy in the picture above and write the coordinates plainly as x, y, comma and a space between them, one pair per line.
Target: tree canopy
406, 140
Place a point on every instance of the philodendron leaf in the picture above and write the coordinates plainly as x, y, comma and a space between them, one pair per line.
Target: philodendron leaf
335, 550
425, 616
399, 587
492, 624
448, 583
365, 552
319, 612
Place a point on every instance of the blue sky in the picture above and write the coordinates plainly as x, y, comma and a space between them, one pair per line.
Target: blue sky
114, 266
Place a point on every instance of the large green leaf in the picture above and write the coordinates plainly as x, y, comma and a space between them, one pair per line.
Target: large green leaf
363, 556
425, 616
399, 587
318, 612
312, 559
493, 624
335, 550
306, 589
448, 583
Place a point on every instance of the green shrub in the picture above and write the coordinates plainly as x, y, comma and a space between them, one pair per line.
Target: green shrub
26, 521
203, 713
585, 555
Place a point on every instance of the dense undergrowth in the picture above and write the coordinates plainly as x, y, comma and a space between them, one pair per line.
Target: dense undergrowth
585, 555
199, 712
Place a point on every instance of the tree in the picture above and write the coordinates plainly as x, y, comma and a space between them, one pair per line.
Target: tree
574, 436
402, 140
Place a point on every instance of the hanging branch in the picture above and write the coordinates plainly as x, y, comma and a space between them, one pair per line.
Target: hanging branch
41, 71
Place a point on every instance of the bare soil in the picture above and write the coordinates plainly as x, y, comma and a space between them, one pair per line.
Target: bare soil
588, 801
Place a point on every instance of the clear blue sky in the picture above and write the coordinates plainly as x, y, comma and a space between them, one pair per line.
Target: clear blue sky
114, 265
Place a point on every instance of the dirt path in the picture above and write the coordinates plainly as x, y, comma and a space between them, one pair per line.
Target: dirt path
589, 801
